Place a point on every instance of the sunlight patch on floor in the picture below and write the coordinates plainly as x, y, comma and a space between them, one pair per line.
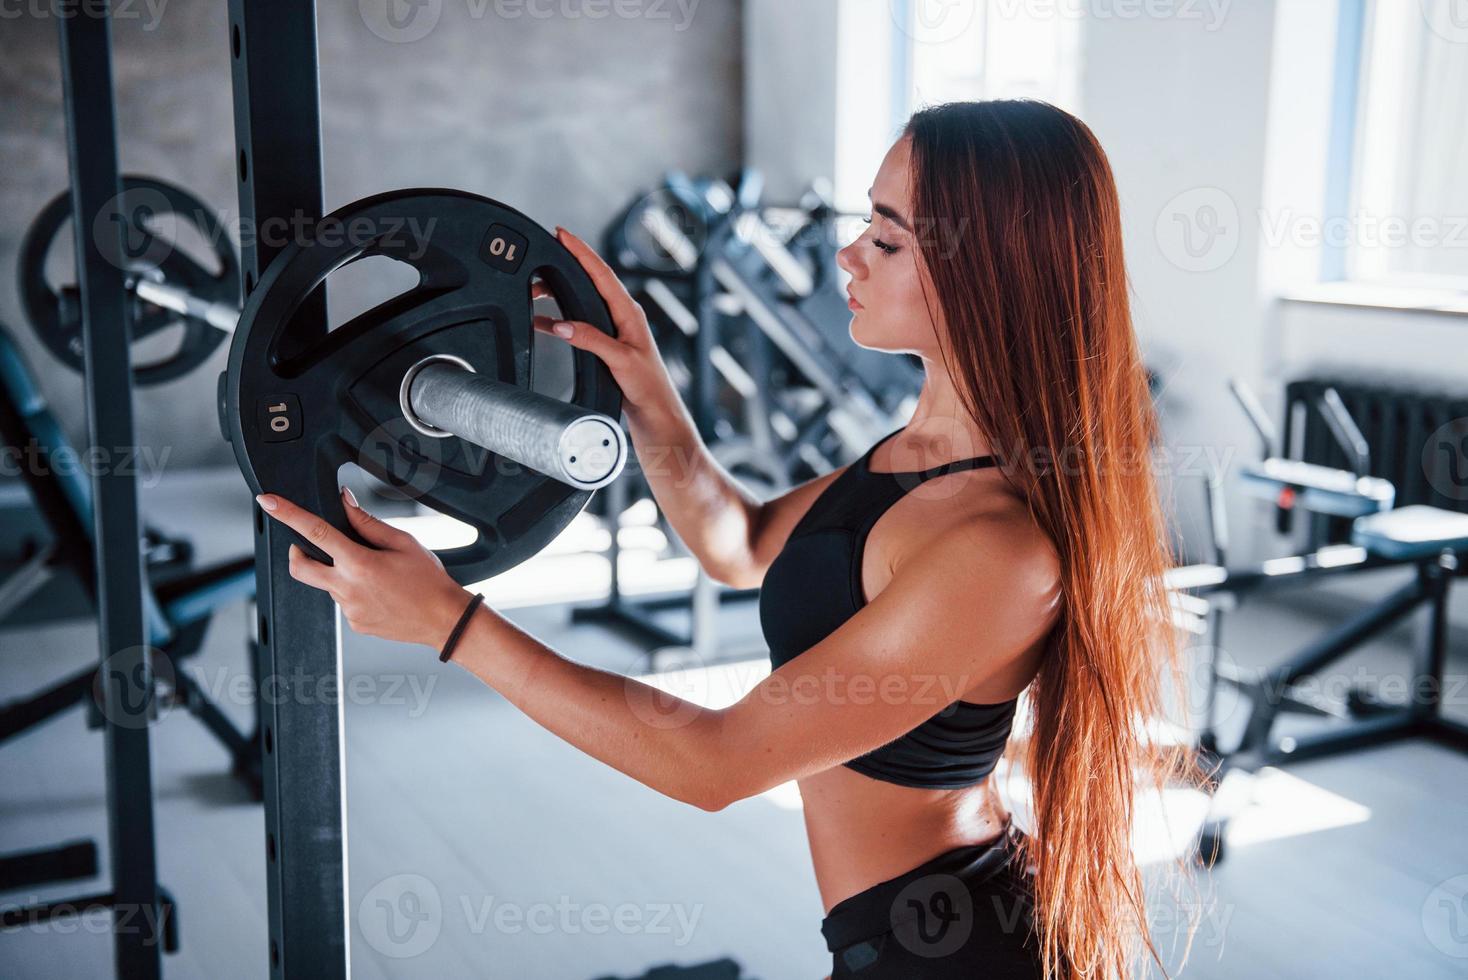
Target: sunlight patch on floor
573, 566
1274, 804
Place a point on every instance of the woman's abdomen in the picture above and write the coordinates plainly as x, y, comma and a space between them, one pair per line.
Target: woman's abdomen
863, 831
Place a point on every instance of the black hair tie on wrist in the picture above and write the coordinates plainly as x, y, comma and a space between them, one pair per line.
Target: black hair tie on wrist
459, 627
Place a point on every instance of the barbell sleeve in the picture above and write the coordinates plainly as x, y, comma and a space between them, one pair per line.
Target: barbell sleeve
220, 316
586, 450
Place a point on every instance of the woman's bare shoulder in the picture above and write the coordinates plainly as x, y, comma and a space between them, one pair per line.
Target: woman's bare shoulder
999, 533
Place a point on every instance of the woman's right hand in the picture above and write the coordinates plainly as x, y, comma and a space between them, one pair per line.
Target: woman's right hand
632, 356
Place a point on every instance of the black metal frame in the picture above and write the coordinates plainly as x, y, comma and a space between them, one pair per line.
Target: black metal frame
1373, 722
277, 118
91, 130
277, 129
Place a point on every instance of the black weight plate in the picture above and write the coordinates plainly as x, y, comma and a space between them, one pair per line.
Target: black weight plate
55, 314
300, 402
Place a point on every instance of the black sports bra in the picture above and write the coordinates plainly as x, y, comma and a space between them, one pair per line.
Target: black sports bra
814, 585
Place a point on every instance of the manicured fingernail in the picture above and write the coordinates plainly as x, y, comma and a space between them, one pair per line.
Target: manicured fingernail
563, 329
351, 497
265, 500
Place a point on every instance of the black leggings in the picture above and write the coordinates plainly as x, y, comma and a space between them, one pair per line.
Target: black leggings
966, 913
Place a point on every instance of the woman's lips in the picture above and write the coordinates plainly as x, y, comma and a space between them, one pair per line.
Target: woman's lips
852, 304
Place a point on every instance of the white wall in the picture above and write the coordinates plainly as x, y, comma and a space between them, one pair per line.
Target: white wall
1179, 104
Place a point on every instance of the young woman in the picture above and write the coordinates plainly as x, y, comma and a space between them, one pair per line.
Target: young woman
1009, 538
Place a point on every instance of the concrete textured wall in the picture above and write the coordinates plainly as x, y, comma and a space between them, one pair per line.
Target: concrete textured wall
564, 109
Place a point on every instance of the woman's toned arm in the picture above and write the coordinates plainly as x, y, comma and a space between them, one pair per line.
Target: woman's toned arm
947, 619
950, 616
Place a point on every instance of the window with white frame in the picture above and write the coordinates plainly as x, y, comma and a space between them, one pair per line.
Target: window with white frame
989, 49
895, 56
1407, 223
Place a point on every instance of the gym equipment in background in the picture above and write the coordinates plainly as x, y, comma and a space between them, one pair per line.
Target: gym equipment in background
167, 287
1414, 434
36, 582
143, 913
178, 604
1428, 539
749, 312
744, 267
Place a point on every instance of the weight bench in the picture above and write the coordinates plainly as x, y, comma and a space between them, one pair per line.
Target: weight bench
1429, 539
1293, 483
177, 608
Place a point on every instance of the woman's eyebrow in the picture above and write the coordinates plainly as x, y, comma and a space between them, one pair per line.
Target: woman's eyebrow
890, 214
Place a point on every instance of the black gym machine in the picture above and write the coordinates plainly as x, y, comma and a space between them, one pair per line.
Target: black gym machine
1430, 541
178, 599
751, 320
142, 910
430, 392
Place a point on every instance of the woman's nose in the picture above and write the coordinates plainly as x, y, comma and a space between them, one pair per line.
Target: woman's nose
848, 260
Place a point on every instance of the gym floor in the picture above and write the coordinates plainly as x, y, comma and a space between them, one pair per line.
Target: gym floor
1327, 872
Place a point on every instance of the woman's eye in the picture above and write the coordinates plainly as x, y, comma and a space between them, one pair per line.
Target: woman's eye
883, 247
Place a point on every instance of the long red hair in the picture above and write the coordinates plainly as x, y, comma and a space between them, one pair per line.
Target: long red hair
1020, 233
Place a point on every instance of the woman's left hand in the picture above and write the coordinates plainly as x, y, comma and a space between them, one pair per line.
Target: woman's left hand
396, 589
